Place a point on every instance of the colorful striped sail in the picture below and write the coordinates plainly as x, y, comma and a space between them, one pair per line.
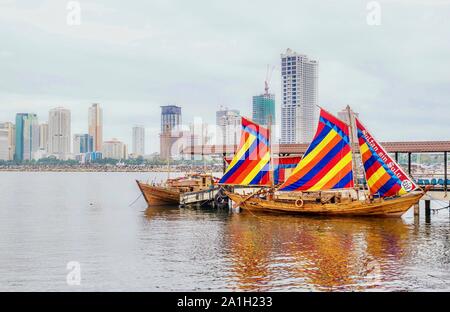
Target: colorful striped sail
384, 176
251, 164
282, 167
327, 164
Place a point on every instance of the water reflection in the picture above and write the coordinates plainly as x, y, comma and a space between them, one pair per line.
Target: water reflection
268, 252
176, 213
155, 212
314, 253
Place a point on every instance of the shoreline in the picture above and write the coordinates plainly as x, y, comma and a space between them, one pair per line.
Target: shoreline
106, 169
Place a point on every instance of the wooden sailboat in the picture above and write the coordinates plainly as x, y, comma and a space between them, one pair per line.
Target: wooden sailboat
169, 192
380, 207
156, 195
325, 180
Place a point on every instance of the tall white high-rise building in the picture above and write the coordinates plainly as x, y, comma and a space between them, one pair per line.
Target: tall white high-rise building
77, 138
95, 126
59, 132
138, 146
229, 126
299, 76
43, 137
4, 144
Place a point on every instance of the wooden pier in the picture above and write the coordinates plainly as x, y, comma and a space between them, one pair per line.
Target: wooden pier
200, 198
396, 148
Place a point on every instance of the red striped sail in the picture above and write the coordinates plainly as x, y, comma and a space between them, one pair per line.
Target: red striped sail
251, 164
384, 176
327, 164
282, 166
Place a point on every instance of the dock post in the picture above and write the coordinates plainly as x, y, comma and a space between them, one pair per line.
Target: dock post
224, 162
445, 173
427, 210
409, 163
416, 210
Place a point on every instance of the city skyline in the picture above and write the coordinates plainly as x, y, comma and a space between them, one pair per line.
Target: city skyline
140, 68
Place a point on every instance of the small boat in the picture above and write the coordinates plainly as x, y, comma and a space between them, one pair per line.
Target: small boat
169, 193
324, 182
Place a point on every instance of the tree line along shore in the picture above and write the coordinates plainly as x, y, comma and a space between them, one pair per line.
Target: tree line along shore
112, 165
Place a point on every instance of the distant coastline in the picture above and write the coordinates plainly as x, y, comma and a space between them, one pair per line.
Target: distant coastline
108, 168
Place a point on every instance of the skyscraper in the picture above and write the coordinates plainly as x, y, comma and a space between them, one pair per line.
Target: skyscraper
59, 132
228, 122
82, 143
170, 129
27, 136
138, 146
43, 137
299, 76
114, 149
170, 118
95, 120
9, 130
4, 144
264, 109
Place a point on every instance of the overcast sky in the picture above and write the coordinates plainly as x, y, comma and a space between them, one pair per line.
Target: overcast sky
133, 56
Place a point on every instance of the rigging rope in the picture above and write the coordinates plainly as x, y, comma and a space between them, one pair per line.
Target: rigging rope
135, 200
438, 202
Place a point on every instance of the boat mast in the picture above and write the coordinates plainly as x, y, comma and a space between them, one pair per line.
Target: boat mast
168, 133
269, 127
168, 167
352, 144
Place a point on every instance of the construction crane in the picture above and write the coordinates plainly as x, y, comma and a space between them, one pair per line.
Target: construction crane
269, 73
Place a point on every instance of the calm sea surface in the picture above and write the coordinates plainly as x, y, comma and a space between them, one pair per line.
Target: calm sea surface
50, 219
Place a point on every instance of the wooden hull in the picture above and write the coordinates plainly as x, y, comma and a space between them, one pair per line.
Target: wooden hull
395, 207
159, 196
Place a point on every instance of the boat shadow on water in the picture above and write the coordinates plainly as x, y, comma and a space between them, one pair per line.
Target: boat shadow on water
176, 212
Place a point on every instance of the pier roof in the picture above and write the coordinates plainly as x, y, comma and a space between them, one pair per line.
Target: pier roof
391, 147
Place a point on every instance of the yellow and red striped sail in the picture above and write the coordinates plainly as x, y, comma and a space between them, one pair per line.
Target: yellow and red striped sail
384, 176
282, 166
327, 164
251, 164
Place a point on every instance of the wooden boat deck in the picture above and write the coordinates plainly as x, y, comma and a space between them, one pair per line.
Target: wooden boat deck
394, 207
